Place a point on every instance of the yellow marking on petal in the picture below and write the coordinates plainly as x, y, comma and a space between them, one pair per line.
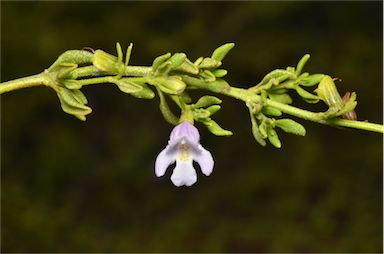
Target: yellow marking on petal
184, 151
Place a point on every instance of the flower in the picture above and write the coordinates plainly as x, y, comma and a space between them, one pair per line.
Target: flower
184, 148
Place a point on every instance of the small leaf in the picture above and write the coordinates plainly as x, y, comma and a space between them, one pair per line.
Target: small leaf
159, 60
222, 51
128, 86
177, 59
79, 96
213, 109
276, 74
273, 138
72, 57
188, 67
72, 84
208, 76
311, 80
268, 110
219, 73
290, 126
145, 93
308, 97
200, 114
166, 111
282, 98
255, 130
213, 127
263, 130
301, 63
209, 63
206, 101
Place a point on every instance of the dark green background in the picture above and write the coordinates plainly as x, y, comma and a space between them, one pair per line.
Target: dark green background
70, 186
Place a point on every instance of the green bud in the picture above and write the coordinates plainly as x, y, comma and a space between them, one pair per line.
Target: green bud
188, 67
79, 96
72, 84
65, 70
213, 109
72, 57
208, 76
273, 137
213, 127
200, 114
206, 101
307, 96
219, 73
159, 60
311, 80
107, 62
145, 93
209, 63
170, 85
177, 59
219, 85
282, 98
271, 111
222, 51
275, 74
198, 61
290, 126
327, 92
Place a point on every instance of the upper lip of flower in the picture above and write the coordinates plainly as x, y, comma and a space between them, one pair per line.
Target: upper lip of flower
184, 148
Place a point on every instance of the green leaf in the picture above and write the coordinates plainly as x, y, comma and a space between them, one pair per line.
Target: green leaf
213, 109
301, 63
275, 74
268, 110
311, 80
255, 130
200, 114
166, 111
209, 63
170, 85
222, 51
127, 86
208, 76
219, 73
79, 96
188, 67
145, 93
308, 97
176, 60
72, 57
72, 84
290, 126
206, 101
65, 69
273, 137
213, 127
159, 60
282, 98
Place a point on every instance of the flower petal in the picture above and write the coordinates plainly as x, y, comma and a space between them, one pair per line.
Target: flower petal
205, 160
163, 160
184, 130
184, 174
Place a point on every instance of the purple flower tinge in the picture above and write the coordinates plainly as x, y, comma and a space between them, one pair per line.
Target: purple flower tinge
184, 148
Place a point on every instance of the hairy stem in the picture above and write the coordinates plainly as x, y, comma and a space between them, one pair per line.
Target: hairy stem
35, 80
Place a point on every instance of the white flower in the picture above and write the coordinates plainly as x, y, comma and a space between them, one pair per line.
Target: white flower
184, 148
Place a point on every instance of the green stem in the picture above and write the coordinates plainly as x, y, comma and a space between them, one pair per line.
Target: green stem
35, 80
318, 117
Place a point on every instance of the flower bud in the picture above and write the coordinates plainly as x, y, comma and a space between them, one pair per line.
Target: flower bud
327, 91
171, 85
107, 62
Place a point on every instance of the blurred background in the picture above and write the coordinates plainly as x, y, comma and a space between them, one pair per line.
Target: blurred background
72, 186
